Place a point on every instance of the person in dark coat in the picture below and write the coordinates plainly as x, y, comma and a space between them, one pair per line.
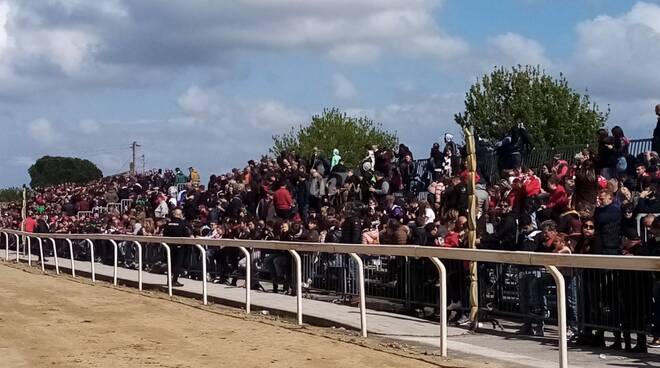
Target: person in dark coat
655, 146
302, 194
607, 155
504, 237
648, 201
177, 228
608, 222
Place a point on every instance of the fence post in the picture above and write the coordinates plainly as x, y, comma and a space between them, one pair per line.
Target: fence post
57, 263
363, 303
204, 290
73, 265
561, 315
91, 258
18, 241
248, 278
137, 243
168, 253
114, 264
296, 258
41, 254
29, 250
442, 273
7, 247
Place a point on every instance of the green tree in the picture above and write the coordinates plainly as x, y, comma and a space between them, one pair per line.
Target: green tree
552, 112
57, 170
11, 194
334, 129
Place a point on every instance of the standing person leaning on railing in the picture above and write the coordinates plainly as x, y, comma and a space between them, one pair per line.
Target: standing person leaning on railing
177, 228
533, 302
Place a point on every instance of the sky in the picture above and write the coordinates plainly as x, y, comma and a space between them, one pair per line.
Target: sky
207, 83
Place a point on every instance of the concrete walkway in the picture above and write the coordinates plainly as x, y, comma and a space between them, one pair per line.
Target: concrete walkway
502, 346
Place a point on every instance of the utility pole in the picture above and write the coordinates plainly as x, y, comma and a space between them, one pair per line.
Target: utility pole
134, 147
144, 164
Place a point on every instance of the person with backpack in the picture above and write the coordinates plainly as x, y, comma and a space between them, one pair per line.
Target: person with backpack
621, 146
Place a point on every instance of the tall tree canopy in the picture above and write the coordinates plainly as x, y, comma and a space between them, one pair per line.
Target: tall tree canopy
334, 129
553, 113
57, 170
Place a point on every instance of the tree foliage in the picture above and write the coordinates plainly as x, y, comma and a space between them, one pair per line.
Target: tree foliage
11, 194
57, 170
334, 129
552, 112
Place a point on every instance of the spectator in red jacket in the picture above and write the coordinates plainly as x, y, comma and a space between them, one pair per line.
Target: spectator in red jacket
30, 223
531, 183
559, 167
516, 196
558, 200
283, 202
452, 238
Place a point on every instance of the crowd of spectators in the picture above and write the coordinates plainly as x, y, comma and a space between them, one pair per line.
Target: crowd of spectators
587, 205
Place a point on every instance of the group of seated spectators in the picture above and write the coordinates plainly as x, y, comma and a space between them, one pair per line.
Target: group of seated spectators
587, 205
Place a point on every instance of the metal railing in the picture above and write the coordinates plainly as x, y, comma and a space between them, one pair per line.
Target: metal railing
551, 262
121, 207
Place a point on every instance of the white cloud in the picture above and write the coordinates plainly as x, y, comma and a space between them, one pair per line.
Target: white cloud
223, 114
354, 53
197, 102
343, 88
59, 43
617, 57
418, 121
89, 126
513, 49
43, 131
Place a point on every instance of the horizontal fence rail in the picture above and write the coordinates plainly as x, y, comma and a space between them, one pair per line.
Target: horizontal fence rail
358, 255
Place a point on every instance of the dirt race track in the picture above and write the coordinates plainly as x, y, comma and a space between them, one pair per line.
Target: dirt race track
56, 321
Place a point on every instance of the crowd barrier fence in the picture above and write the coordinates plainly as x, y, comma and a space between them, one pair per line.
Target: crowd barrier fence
551, 262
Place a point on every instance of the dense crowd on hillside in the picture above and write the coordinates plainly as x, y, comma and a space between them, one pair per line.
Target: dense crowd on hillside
588, 205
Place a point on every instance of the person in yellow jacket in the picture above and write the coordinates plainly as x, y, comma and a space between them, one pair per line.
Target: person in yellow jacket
194, 177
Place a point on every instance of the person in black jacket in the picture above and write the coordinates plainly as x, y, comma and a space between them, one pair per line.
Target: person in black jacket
302, 195
506, 230
607, 218
648, 201
607, 155
351, 230
177, 228
656, 132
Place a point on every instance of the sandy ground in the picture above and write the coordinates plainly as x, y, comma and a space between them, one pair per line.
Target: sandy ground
56, 321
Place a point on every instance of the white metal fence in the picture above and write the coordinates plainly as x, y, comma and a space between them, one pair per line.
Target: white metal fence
550, 261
